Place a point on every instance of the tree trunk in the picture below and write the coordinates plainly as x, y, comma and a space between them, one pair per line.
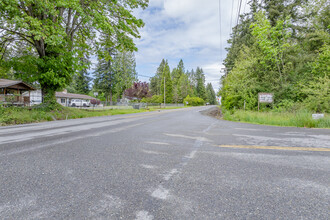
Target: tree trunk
110, 98
48, 95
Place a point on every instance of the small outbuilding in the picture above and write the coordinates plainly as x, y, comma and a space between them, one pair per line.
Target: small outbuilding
15, 92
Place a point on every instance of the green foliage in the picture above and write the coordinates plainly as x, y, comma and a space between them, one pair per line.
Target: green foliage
210, 95
166, 79
156, 81
114, 76
81, 80
178, 83
193, 101
300, 118
200, 87
281, 47
43, 40
153, 99
241, 84
318, 95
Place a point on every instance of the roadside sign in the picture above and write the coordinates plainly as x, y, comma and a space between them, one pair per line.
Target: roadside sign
96, 93
317, 116
265, 97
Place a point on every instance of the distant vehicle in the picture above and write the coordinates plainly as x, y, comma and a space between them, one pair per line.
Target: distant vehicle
79, 103
207, 103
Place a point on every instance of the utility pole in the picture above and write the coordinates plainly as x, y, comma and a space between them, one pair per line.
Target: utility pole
164, 93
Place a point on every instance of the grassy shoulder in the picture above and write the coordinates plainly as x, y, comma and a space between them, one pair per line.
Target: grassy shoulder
302, 118
25, 115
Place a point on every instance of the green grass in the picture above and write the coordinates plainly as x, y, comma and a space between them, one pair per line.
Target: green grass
301, 118
20, 115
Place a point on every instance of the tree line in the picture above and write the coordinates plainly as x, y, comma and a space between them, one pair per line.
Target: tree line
179, 84
280, 47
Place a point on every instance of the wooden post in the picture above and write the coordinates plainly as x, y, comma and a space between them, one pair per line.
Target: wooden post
258, 104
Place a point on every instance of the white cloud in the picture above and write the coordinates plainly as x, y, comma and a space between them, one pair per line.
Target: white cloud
187, 29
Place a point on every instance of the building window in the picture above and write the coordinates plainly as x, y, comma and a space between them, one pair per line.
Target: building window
62, 100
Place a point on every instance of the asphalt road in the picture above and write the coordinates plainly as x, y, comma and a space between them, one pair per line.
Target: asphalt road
174, 164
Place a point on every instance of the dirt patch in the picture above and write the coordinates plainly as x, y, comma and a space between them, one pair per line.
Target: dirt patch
213, 112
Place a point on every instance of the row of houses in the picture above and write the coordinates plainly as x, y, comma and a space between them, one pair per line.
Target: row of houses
22, 94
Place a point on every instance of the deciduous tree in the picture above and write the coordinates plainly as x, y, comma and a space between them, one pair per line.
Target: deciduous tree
53, 35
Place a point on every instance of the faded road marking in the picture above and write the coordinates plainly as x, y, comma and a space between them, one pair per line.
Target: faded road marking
274, 147
105, 207
148, 166
160, 193
60, 142
153, 152
188, 137
170, 174
159, 143
143, 215
191, 155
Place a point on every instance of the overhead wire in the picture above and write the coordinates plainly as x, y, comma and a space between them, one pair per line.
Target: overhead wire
220, 30
239, 11
231, 16
245, 6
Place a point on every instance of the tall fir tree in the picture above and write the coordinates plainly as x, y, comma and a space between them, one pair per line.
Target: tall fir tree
155, 81
125, 73
105, 75
200, 86
81, 80
210, 94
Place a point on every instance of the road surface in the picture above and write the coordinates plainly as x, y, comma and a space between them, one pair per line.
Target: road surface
174, 164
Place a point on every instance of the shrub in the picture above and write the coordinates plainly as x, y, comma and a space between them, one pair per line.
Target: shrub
193, 101
95, 102
153, 99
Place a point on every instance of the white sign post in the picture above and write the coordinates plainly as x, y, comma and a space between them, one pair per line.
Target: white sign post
265, 98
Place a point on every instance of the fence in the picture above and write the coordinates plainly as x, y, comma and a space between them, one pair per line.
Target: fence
132, 105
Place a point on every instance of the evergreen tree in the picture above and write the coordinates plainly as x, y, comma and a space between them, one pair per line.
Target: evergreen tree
184, 88
125, 73
210, 94
275, 49
81, 80
200, 87
155, 82
177, 73
105, 75
192, 81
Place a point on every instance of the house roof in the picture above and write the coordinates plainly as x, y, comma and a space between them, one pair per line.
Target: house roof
72, 96
6, 83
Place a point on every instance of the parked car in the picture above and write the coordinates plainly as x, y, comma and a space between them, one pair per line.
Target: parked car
79, 103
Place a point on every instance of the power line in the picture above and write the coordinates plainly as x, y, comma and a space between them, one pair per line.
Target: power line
144, 76
231, 17
245, 6
239, 11
220, 30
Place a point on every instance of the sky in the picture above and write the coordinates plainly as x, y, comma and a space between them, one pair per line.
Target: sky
187, 30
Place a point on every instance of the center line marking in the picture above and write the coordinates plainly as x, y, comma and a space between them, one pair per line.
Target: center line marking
274, 147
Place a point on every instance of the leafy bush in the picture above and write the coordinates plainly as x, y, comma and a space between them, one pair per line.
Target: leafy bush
318, 95
95, 102
193, 101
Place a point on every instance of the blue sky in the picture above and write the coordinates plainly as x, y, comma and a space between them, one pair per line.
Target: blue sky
188, 30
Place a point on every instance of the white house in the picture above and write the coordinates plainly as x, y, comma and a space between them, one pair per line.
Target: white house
64, 98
